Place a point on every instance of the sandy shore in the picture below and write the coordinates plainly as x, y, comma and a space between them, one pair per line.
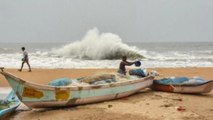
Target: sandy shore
146, 105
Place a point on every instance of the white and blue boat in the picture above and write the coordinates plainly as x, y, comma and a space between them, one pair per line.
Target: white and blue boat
44, 96
9, 105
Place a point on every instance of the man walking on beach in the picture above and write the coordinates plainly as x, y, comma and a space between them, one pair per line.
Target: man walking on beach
25, 59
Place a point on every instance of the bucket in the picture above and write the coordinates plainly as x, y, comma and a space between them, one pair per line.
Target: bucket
137, 63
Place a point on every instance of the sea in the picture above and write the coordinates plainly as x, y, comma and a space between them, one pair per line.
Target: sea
104, 50
107, 54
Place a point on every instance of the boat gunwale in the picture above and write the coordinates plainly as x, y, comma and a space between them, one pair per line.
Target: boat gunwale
77, 88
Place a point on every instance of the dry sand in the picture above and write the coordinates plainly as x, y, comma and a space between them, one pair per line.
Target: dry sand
145, 105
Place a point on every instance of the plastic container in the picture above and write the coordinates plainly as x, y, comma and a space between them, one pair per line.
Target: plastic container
138, 63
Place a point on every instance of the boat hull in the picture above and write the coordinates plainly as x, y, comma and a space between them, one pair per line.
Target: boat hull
201, 88
73, 102
43, 96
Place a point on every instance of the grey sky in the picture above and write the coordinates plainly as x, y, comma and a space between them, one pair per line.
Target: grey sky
132, 20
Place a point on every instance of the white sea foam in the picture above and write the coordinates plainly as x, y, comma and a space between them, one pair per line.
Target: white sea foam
44, 60
98, 46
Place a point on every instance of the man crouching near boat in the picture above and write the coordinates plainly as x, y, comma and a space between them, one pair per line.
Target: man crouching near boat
25, 59
123, 63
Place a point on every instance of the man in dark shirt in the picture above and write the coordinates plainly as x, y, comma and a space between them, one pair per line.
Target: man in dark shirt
123, 63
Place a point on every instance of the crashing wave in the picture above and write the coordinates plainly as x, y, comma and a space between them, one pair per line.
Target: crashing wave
96, 46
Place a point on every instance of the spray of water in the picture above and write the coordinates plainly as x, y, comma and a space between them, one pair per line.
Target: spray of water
96, 46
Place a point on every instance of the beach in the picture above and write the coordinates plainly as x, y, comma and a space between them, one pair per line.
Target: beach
79, 43
145, 105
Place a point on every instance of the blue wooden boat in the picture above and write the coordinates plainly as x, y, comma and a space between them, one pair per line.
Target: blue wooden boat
44, 96
11, 102
175, 85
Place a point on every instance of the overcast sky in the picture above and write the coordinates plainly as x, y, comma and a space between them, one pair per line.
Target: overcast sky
132, 20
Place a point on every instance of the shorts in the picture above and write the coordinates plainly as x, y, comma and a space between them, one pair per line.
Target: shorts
25, 59
121, 72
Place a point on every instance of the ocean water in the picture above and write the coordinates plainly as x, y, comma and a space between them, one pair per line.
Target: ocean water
103, 50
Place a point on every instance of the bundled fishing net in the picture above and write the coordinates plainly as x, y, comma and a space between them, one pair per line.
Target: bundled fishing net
90, 80
60, 82
101, 78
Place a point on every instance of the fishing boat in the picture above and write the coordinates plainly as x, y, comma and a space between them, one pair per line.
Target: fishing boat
190, 88
44, 96
8, 105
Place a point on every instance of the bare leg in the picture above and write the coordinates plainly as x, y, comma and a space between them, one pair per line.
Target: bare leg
28, 66
21, 66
